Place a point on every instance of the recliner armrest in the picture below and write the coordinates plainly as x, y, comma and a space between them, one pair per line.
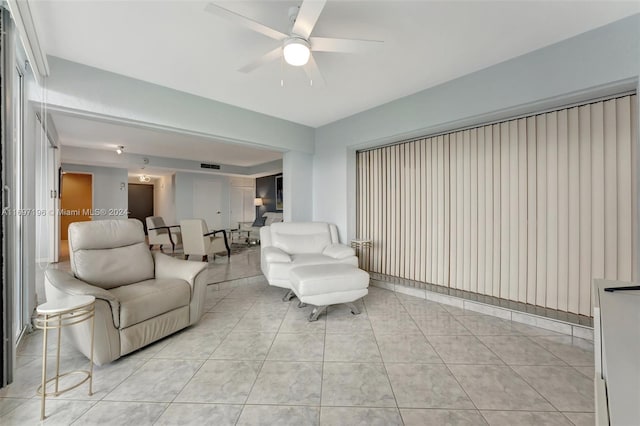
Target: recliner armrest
274, 254
68, 284
338, 251
169, 267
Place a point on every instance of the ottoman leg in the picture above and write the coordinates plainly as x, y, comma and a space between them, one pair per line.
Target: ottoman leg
290, 295
317, 311
353, 307
301, 304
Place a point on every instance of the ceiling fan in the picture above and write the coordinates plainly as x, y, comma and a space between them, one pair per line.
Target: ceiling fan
296, 46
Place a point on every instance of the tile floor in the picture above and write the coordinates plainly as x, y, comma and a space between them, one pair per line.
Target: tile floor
254, 359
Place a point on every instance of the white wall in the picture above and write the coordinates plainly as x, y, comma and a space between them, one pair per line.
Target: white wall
110, 190
164, 199
297, 186
184, 195
599, 62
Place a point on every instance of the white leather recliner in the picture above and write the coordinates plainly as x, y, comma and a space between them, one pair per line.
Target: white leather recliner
286, 245
140, 298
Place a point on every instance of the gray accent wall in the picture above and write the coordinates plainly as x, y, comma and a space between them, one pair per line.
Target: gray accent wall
603, 61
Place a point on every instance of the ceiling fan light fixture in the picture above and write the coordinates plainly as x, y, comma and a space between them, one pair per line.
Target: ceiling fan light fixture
296, 51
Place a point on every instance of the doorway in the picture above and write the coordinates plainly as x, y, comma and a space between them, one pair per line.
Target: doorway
76, 203
140, 202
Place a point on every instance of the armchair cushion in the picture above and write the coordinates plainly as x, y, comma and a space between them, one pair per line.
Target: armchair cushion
147, 299
338, 251
274, 254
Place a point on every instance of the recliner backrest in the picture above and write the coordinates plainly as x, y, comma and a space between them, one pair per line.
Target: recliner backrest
301, 237
155, 222
110, 253
193, 239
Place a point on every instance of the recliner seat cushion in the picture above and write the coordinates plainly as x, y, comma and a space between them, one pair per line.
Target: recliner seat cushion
150, 298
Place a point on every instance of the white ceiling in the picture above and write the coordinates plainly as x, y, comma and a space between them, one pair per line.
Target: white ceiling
85, 133
178, 45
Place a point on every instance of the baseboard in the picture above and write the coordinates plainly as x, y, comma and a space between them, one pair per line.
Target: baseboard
563, 327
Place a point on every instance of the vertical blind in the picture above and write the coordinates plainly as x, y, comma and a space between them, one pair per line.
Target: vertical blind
529, 210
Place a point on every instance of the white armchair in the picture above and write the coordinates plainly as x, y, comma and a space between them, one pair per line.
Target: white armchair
161, 234
198, 241
286, 245
140, 298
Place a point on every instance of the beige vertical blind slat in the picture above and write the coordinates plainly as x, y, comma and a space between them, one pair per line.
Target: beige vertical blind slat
495, 131
522, 209
446, 198
585, 146
541, 270
505, 179
552, 210
532, 212
513, 212
610, 191
573, 264
461, 212
625, 237
563, 210
529, 210
466, 218
482, 210
473, 181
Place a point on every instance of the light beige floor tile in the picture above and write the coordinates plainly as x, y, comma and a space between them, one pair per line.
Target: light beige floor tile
297, 347
356, 347
221, 381
240, 345
574, 351
278, 415
406, 348
520, 350
291, 383
158, 380
426, 386
525, 418
441, 325
582, 419
421, 417
566, 388
122, 413
57, 412
356, 384
199, 414
359, 416
495, 387
463, 350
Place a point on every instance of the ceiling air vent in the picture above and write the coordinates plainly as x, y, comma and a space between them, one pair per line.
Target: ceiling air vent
209, 166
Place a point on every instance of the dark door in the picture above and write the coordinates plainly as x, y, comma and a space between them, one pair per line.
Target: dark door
140, 202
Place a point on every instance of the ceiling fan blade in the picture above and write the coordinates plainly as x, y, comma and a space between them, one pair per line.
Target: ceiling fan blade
244, 21
313, 72
346, 45
264, 59
307, 17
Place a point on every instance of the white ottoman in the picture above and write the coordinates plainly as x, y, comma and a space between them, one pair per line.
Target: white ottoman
328, 284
